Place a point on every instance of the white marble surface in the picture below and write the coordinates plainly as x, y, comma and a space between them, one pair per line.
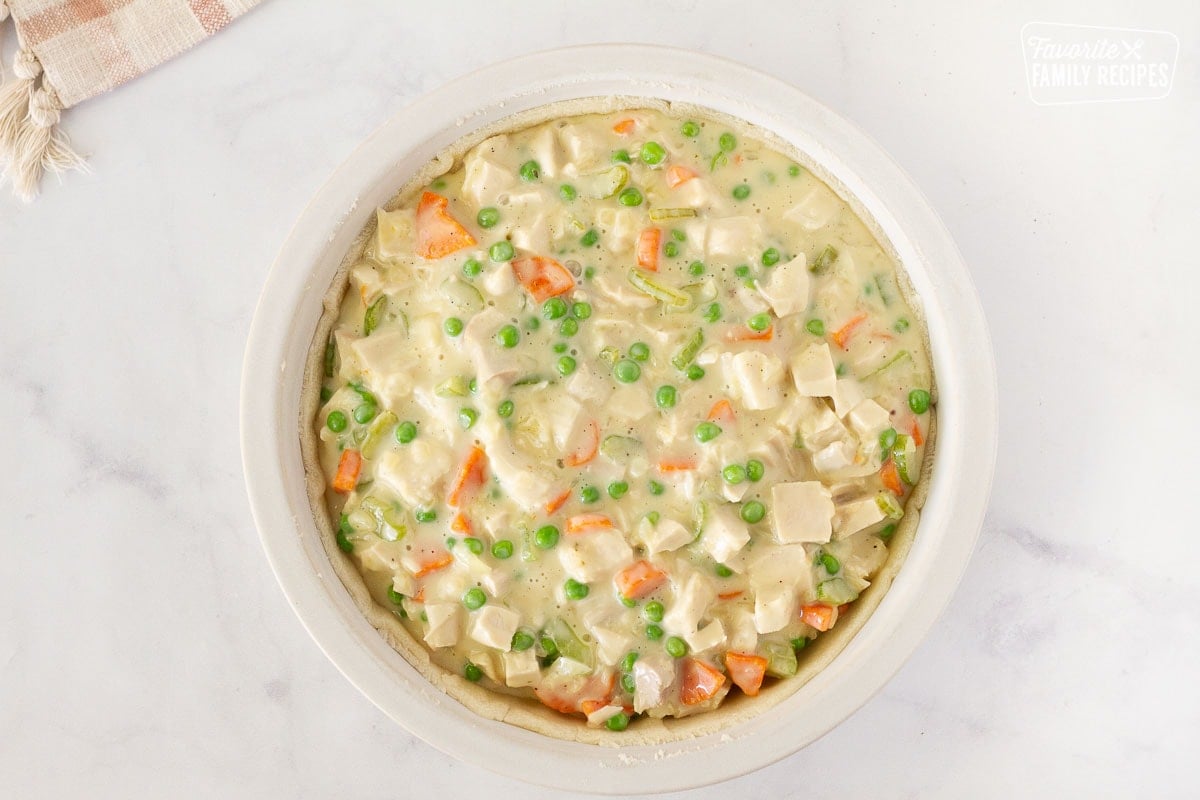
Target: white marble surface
145, 650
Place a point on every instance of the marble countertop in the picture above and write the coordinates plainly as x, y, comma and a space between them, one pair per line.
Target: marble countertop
145, 650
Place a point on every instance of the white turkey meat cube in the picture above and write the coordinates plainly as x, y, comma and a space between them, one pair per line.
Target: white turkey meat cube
666, 535
484, 179
547, 152
445, 620
774, 608
725, 533
521, 669
588, 556
815, 208
787, 287
629, 403
854, 516
387, 361
394, 232
710, 636
499, 280
416, 487
533, 235
583, 146
758, 378
494, 626
847, 394
821, 427
564, 419
834, 457
692, 599
733, 237
801, 511
490, 361
813, 371
653, 672
611, 644
743, 636
869, 419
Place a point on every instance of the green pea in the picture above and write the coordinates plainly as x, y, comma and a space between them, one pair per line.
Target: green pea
617, 722
830, 563
502, 549
696, 268
501, 251
559, 347
656, 488
554, 308
568, 327
653, 515
566, 365
918, 401
343, 533
621, 157
627, 661
707, 431
628, 683
741, 191
887, 532
471, 267
581, 310
713, 312
567, 192
473, 386
670, 249
675, 647
506, 408
727, 142
690, 129
467, 417
453, 326
901, 325
755, 470
654, 633
474, 598
365, 412
589, 494
425, 515
799, 643
753, 512
589, 273
734, 474
617, 489
654, 611
723, 571
530, 171
508, 336
590, 238
639, 351
627, 371
393, 595
548, 647
522, 640
574, 590
653, 153
887, 440
695, 372
665, 397
815, 327
794, 170
474, 545
488, 217
759, 322
336, 421
326, 393
472, 673
627, 602
742, 271
678, 235
770, 257
546, 537
840, 369
630, 197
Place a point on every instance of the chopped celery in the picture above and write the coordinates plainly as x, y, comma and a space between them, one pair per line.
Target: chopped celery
687, 353
620, 448
377, 432
781, 658
903, 354
701, 519
568, 642
659, 214
389, 520
330, 357
886, 284
374, 315
604, 184
825, 260
889, 506
836, 591
529, 380
363, 393
462, 295
719, 160
458, 386
673, 299
904, 453
609, 355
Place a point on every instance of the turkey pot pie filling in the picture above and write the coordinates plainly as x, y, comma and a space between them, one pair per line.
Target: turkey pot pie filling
620, 413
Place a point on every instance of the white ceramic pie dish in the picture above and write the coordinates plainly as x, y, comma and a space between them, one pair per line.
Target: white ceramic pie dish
290, 307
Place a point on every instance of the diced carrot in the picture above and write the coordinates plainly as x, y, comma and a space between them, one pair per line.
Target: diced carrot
595, 692
433, 564
843, 608
542, 277
915, 430
722, 411
581, 523
560, 703
437, 233
681, 464
420, 595
730, 595
624, 126
842, 335
460, 523
349, 465
746, 670
819, 616
700, 681
469, 478
891, 477
586, 451
639, 579
558, 502
677, 175
743, 333
647, 248
588, 706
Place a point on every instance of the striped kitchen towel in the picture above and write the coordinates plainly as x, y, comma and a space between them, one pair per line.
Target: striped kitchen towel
70, 50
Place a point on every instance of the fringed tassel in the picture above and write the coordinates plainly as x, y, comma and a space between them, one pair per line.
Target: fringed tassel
30, 141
